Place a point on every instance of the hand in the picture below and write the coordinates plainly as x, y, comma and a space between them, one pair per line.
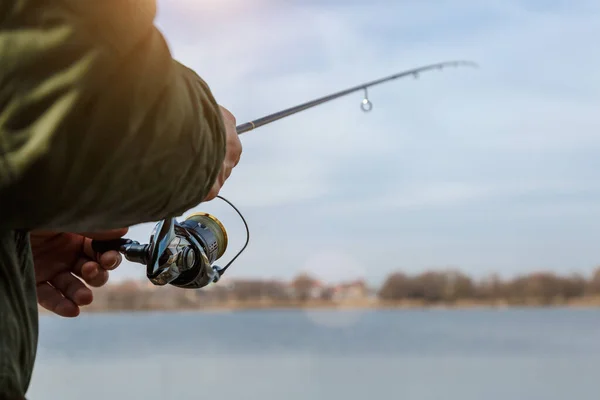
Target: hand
232, 154
60, 259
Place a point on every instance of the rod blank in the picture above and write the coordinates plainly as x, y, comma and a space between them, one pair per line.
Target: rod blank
248, 126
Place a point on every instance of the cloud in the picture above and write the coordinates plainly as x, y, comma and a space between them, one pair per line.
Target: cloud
457, 167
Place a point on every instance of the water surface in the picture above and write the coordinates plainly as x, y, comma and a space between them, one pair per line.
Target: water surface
549, 354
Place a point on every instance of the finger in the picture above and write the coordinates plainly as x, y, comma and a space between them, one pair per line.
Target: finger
234, 150
90, 271
214, 191
227, 174
110, 260
77, 269
72, 288
236, 160
222, 178
93, 274
210, 196
227, 115
52, 300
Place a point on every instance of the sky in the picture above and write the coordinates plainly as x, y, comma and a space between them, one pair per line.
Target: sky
493, 169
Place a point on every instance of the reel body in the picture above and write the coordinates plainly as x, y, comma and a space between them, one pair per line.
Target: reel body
183, 254
180, 254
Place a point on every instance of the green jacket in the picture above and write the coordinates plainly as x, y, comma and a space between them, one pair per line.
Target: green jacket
99, 128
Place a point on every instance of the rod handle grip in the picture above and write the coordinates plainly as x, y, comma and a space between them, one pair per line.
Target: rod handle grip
103, 246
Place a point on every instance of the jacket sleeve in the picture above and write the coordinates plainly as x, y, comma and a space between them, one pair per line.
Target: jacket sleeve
99, 126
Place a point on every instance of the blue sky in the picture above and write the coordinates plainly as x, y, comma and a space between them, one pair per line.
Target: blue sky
489, 169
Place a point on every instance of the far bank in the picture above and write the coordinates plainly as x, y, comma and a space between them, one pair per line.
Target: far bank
363, 304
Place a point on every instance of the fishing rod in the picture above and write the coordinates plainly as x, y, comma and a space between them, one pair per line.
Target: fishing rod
366, 104
183, 254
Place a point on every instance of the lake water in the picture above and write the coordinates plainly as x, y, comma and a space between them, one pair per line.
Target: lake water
293, 355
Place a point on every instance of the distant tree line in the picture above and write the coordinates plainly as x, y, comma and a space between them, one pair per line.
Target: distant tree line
430, 287
452, 286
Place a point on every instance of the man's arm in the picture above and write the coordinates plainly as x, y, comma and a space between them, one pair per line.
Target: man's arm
99, 126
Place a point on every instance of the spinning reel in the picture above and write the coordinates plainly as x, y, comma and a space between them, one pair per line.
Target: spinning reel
180, 254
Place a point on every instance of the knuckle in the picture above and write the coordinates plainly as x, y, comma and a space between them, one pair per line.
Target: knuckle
227, 115
236, 146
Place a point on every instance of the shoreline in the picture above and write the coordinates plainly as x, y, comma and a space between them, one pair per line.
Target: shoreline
358, 305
